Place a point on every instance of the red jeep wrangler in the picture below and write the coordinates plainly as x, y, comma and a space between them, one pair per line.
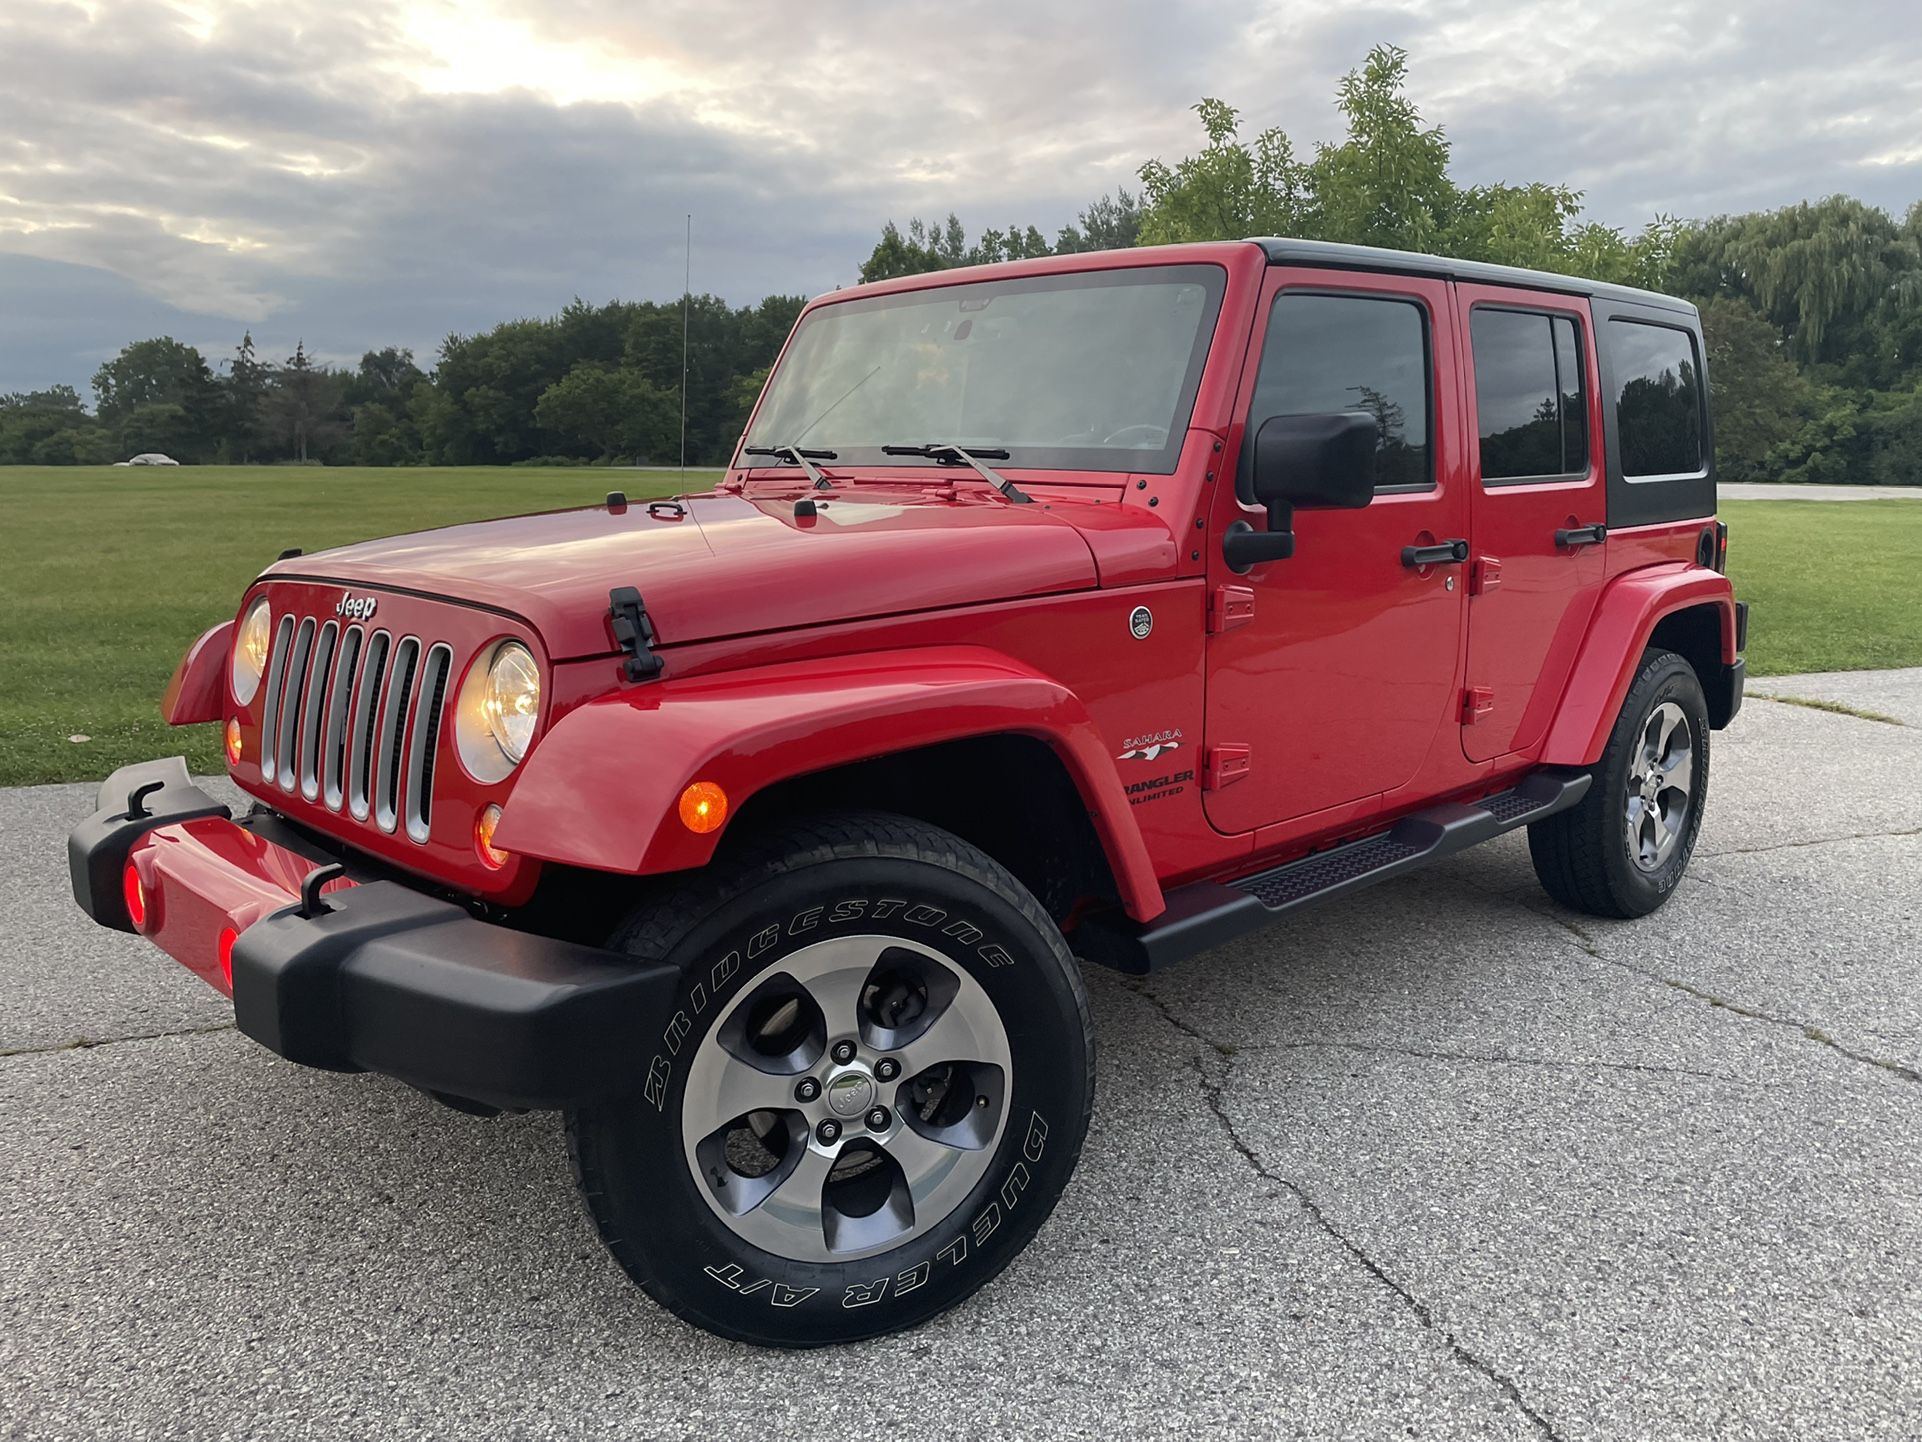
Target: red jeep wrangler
1109, 605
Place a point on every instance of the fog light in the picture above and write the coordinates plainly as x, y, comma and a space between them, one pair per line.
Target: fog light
703, 807
225, 946
484, 825
135, 895
233, 740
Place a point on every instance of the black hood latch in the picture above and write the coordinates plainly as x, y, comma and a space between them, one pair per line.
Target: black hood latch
633, 633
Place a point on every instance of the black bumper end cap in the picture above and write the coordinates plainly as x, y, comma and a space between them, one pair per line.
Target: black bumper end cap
157, 793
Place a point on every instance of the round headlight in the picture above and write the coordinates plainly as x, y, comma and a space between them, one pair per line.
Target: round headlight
512, 700
252, 639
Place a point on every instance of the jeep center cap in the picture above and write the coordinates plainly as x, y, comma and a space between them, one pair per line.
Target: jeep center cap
850, 1093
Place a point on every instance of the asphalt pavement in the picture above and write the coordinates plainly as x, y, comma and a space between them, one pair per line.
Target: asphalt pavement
1441, 1161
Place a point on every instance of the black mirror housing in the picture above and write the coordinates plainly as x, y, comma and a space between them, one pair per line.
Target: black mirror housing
1327, 461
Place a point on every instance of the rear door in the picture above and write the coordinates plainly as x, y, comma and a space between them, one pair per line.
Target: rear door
1539, 503
1332, 673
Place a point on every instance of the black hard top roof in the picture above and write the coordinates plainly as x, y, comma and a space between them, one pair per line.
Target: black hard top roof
1283, 251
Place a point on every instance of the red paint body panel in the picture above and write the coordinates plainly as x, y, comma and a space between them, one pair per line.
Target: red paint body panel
199, 684
1629, 609
917, 605
745, 729
205, 875
1350, 665
1524, 634
732, 565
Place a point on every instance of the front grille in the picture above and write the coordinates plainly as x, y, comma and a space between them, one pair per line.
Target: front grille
350, 718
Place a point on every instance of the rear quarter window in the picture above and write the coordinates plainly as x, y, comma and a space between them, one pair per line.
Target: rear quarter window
1658, 400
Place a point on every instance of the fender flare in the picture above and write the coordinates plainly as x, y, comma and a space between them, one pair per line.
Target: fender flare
601, 789
1624, 618
199, 685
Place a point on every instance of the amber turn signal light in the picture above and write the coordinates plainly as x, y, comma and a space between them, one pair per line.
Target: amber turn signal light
703, 807
233, 739
491, 855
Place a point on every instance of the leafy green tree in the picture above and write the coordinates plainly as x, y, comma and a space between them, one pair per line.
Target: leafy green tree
1112, 222
168, 389
1228, 190
1760, 400
1387, 183
612, 411
49, 428
244, 390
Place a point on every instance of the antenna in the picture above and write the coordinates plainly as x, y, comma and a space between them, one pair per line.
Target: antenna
687, 290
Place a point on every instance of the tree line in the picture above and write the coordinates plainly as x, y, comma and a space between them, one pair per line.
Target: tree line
1812, 316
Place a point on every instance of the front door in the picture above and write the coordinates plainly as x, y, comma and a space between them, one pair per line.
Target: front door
1331, 674
1538, 503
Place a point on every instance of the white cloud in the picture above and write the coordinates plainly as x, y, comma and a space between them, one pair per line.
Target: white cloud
361, 172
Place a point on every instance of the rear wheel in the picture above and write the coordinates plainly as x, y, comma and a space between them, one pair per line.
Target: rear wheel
873, 1090
1621, 851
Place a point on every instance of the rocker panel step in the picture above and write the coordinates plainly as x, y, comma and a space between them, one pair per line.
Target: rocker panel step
1208, 913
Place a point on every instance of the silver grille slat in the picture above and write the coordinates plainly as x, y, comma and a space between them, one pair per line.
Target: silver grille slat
296, 684
422, 737
360, 744
333, 744
393, 729
320, 679
352, 718
270, 706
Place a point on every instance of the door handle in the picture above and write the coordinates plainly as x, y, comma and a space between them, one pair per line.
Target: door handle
1581, 536
1442, 553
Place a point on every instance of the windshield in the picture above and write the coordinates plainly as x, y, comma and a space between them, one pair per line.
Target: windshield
1094, 371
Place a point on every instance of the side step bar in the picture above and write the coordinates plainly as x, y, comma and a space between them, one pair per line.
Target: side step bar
1208, 913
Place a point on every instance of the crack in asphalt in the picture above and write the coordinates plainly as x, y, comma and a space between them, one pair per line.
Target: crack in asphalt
1813, 841
1489, 1058
1590, 947
88, 1043
1211, 1092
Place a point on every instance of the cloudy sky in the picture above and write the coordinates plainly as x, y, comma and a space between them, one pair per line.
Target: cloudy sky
369, 172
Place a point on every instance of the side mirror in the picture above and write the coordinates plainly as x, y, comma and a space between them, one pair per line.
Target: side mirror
1324, 461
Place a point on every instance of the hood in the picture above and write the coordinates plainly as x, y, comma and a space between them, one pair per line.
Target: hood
724, 565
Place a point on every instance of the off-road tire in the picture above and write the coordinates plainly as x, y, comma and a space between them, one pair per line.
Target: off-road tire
1582, 855
766, 900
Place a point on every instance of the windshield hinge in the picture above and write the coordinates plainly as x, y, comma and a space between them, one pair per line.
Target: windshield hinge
633, 633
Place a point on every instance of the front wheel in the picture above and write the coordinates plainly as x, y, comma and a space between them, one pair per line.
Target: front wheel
1623, 848
874, 1086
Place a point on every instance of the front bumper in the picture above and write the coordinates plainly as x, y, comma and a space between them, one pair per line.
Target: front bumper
376, 976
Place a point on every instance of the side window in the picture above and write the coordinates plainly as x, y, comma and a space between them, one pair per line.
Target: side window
1529, 394
1326, 353
1658, 406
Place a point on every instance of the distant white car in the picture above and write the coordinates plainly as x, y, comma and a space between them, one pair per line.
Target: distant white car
149, 458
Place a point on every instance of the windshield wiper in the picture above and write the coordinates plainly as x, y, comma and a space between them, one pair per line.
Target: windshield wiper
794, 455
948, 455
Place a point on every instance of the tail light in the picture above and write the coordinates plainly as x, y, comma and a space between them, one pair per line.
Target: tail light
1721, 547
135, 895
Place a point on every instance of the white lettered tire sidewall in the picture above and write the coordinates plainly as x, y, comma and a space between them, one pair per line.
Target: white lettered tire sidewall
630, 1156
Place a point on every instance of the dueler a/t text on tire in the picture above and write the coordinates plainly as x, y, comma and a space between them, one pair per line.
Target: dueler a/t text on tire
872, 1090
1623, 848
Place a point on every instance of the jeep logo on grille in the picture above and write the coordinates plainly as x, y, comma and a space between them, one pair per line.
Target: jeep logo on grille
356, 608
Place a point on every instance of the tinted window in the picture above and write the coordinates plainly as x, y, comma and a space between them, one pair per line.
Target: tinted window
1326, 353
1529, 394
1658, 406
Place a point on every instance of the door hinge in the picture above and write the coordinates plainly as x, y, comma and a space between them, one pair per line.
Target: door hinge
1229, 607
1223, 766
1477, 702
1486, 577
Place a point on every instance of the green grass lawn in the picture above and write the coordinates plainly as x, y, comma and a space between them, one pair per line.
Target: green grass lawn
107, 575
1831, 585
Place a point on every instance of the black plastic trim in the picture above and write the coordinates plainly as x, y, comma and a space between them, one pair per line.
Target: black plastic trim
132, 801
1208, 913
391, 980
1723, 692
